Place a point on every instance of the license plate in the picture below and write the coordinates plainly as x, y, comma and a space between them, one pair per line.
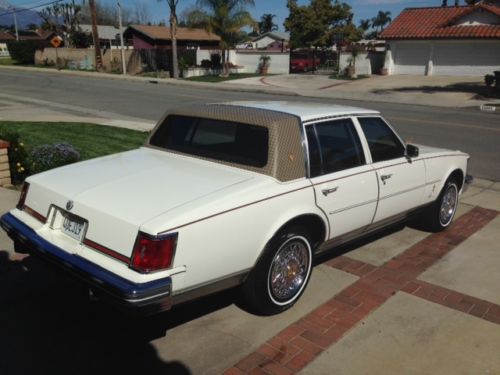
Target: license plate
73, 226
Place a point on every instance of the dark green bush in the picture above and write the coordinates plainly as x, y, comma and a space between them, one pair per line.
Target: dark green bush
207, 64
18, 156
47, 157
23, 51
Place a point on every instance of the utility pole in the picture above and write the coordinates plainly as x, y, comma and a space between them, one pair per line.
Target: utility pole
124, 65
95, 35
15, 22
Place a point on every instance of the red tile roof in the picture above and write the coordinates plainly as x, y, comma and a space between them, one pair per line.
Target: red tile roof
438, 23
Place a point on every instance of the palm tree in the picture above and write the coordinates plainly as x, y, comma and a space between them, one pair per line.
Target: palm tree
224, 18
381, 19
172, 4
365, 25
266, 23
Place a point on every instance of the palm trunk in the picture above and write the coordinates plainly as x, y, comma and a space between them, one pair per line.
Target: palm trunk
173, 36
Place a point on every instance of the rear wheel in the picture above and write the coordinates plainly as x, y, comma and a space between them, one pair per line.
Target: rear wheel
281, 275
441, 213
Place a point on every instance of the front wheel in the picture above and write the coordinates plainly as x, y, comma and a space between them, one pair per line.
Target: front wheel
281, 275
441, 213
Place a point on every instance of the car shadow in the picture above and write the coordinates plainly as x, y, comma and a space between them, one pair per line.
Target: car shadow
478, 89
353, 245
49, 326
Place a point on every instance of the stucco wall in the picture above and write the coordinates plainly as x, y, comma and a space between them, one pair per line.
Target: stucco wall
446, 57
249, 60
363, 63
4, 51
79, 58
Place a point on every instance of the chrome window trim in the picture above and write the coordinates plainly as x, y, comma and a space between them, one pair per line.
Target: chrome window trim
392, 130
354, 132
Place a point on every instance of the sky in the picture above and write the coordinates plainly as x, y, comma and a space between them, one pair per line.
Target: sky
362, 8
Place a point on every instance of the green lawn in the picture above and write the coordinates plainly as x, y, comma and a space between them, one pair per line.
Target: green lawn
6, 61
89, 139
221, 79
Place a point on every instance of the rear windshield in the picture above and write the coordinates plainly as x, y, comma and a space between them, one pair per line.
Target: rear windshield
216, 139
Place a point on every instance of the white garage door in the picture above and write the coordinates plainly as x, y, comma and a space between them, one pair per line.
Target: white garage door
466, 58
410, 58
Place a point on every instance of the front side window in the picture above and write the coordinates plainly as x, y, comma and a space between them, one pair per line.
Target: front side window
334, 146
383, 143
216, 139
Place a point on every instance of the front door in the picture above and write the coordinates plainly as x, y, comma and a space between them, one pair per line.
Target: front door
401, 179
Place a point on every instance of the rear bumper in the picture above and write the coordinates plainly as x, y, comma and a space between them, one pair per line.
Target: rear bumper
145, 298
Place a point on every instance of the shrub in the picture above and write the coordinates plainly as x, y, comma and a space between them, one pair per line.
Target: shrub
23, 51
207, 64
18, 156
47, 157
216, 60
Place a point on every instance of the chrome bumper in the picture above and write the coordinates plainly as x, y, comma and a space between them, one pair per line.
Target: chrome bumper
145, 298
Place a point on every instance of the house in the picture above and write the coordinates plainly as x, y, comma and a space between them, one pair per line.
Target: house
109, 36
4, 38
461, 40
38, 35
273, 40
150, 37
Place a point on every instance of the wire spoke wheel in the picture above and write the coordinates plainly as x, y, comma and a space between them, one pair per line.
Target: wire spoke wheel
289, 270
448, 205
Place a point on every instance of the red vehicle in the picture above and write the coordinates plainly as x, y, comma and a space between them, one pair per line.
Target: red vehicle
303, 63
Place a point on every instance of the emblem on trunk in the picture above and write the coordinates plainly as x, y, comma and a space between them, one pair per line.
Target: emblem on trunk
69, 205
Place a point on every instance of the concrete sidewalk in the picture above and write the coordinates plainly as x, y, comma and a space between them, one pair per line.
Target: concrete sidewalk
405, 302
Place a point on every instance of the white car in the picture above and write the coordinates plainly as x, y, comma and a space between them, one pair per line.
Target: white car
220, 195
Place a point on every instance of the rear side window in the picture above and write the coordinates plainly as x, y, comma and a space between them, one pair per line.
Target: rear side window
383, 143
216, 139
334, 146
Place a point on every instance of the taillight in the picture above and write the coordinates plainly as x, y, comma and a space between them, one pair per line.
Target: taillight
22, 197
153, 253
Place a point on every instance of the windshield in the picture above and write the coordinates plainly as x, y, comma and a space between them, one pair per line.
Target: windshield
216, 139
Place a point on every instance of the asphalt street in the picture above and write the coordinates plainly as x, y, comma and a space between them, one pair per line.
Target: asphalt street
469, 130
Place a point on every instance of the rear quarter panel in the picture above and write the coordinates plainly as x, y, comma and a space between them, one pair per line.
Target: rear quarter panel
229, 240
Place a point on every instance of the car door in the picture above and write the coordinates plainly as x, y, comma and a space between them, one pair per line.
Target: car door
345, 185
401, 179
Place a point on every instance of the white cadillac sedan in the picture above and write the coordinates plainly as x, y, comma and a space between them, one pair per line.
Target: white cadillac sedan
221, 195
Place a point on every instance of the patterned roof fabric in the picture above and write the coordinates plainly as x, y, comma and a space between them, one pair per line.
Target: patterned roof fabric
439, 23
286, 159
183, 33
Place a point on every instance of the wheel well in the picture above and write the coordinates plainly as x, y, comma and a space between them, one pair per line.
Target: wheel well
458, 176
312, 224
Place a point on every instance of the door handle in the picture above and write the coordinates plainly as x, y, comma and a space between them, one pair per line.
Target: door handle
385, 177
328, 191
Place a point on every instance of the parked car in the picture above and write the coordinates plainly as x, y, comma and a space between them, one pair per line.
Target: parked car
221, 195
303, 63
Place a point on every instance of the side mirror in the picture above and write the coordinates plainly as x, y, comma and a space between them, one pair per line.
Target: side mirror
411, 151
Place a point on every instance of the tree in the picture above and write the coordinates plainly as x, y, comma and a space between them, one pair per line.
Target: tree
224, 18
106, 14
365, 25
266, 23
381, 20
63, 19
141, 13
172, 4
319, 22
